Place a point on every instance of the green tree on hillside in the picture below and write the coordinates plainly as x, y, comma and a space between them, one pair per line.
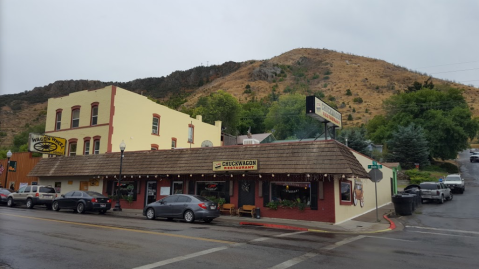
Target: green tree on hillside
408, 146
356, 139
220, 106
287, 118
252, 115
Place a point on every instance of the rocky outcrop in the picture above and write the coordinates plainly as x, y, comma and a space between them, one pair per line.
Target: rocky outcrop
266, 71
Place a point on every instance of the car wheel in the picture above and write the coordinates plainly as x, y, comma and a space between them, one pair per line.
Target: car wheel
189, 216
103, 211
29, 203
55, 206
80, 208
10, 202
150, 214
208, 220
442, 199
450, 197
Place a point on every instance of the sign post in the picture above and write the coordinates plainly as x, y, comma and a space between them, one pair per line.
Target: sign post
376, 176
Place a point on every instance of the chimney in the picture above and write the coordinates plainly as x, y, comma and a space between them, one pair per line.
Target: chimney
199, 117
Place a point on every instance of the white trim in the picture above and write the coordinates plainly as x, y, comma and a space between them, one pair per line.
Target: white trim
374, 208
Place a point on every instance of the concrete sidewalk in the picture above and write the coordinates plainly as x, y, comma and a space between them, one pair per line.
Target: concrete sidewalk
366, 223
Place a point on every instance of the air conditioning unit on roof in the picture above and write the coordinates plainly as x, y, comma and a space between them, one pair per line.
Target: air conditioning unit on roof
250, 141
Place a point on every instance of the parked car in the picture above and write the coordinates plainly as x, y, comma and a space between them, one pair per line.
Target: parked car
435, 191
4, 195
474, 157
455, 182
183, 206
82, 201
33, 195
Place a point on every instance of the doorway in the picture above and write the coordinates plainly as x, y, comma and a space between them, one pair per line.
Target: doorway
150, 192
84, 185
246, 193
177, 187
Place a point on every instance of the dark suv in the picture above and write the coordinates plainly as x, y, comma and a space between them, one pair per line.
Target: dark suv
33, 195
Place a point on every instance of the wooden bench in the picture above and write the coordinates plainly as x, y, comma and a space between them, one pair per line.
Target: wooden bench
230, 208
247, 209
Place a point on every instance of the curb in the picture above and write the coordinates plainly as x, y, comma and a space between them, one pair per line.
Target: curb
392, 225
275, 226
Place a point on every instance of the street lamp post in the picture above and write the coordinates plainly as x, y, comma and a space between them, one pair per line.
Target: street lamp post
9, 155
117, 205
346, 141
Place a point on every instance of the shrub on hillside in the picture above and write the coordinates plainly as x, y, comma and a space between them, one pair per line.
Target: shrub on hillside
416, 176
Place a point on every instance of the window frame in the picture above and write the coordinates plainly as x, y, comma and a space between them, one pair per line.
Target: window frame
58, 123
96, 150
93, 106
345, 202
157, 117
71, 142
289, 183
74, 109
173, 139
85, 141
154, 147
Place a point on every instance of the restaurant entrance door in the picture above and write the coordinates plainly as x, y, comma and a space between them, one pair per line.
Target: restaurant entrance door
246, 193
150, 192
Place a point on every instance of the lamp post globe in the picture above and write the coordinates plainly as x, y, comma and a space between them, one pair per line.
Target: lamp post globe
117, 205
9, 155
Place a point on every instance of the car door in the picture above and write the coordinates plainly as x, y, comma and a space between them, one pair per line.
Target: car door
180, 205
65, 202
73, 201
165, 205
22, 197
17, 195
446, 190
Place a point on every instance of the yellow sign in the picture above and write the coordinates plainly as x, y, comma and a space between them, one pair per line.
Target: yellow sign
235, 165
94, 182
46, 144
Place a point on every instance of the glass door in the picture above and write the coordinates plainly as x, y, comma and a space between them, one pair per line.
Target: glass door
177, 187
151, 187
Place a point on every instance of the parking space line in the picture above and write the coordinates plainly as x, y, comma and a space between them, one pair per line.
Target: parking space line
446, 230
343, 242
181, 258
439, 234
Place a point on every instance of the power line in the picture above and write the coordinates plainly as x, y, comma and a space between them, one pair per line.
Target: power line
445, 64
455, 71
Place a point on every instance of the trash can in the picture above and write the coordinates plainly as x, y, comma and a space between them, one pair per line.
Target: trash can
257, 213
403, 203
414, 189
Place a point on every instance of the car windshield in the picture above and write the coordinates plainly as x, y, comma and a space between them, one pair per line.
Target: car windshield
94, 194
455, 178
429, 186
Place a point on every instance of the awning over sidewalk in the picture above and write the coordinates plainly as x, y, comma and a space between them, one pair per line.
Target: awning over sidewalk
317, 157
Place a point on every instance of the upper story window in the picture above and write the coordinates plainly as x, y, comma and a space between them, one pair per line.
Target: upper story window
155, 129
86, 146
75, 116
72, 147
96, 145
58, 120
154, 147
173, 143
94, 114
191, 133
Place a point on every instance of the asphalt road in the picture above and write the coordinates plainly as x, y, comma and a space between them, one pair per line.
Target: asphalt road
437, 236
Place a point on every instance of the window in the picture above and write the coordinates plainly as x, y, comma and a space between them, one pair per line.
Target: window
86, 145
291, 191
128, 188
94, 114
72, 148
34, 188
96, 144
69, 194
177, 187
155, 129
183, 199
170, 199
215, 189
191, 133
47, 190
27, 189
58, 120
77, 194
173, 143
345, 193
75, 117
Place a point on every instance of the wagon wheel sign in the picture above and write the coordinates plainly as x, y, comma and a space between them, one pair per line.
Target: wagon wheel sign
45, 146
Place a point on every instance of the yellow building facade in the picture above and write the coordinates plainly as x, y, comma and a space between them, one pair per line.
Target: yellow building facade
96, 121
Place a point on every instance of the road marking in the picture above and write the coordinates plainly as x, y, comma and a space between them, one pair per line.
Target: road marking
181, 258
446, 230
387, 238
125, 229
279, 235
343, 242
294, 261
439, 234
289, 234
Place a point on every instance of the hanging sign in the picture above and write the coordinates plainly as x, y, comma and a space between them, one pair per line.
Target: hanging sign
235, 165
46, 144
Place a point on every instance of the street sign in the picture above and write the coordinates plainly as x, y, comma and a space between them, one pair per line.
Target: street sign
376, 175
374, 162
375, 166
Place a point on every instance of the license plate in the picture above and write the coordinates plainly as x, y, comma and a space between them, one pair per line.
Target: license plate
47, 196
102, 205
213, 207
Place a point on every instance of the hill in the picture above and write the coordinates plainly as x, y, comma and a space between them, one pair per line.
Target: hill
306, 71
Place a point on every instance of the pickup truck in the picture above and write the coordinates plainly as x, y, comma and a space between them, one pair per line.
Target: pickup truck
455, 182
435, 191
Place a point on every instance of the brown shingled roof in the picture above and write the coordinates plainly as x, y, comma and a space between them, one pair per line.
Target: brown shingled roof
328, 157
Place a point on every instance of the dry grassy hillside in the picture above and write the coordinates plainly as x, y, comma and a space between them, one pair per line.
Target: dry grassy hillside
312, 70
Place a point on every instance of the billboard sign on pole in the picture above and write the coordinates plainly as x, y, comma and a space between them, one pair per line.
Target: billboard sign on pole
323, 112
46, 144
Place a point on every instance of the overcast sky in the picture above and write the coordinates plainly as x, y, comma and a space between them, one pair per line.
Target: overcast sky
45, 41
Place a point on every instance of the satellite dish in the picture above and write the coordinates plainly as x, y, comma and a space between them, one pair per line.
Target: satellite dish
206, 144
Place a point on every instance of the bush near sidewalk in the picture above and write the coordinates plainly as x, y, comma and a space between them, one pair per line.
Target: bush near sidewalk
416, 176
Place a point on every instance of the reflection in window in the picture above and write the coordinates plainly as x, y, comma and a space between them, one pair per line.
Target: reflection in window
128, 190
346, 191
94, 115
58, 123
298, 192
155, 126
96, 147
73, 149
75, 118
87, 147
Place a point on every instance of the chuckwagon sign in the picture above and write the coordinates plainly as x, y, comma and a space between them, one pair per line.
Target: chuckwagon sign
46, 144
243, 165
323, 112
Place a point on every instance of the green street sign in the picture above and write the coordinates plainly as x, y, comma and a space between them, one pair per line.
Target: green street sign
374, 163
375, 166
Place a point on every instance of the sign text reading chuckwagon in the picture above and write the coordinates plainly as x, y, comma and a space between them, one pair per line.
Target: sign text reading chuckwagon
235, 165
